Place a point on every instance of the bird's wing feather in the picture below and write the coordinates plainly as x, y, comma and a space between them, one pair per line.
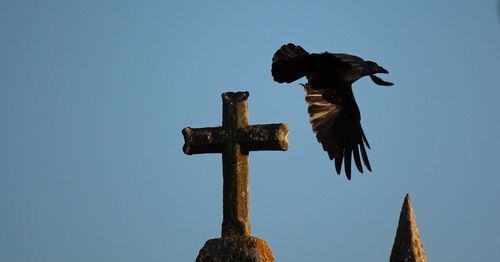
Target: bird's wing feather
354, 61
335, 118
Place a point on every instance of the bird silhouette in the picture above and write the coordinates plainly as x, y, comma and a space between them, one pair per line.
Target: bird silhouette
333, 112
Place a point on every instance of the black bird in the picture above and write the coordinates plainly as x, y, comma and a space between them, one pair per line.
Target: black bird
332, 109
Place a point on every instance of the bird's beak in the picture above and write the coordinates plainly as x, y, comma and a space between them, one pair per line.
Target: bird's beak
382, 70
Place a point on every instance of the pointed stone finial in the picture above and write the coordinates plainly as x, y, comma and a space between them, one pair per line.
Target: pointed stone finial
407, 245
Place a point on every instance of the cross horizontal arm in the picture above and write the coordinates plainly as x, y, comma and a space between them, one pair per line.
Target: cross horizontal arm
204, 140
251, 138
263, 137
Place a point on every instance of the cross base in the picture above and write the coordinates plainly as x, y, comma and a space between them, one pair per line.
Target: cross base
240, 248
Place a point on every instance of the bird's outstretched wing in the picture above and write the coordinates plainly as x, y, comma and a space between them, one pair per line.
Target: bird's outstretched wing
335, 119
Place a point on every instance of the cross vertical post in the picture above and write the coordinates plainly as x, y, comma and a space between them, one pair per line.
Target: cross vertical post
235, 139
236, 220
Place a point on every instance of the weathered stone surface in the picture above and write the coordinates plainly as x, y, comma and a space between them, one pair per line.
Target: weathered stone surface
235, 249
407, 246
235, 139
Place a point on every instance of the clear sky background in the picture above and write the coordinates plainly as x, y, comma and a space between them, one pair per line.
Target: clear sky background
94, 94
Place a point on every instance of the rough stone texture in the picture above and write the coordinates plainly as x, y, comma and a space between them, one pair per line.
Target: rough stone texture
407, 246
235, 139
237, 249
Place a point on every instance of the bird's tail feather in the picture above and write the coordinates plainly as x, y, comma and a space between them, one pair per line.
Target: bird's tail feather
290, 63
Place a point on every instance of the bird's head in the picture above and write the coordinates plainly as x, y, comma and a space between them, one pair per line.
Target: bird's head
375, 68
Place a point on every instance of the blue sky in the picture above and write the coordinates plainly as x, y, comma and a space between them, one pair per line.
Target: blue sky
94, 94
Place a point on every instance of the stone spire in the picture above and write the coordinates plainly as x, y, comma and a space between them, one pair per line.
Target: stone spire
407, 245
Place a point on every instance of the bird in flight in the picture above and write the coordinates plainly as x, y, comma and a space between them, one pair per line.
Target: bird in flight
333, 112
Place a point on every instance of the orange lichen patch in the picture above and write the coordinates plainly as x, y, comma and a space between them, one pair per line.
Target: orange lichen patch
246, 248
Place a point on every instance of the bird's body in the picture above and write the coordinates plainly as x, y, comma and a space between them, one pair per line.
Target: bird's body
332, 108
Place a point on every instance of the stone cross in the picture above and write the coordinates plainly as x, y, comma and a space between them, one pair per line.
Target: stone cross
235, 139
